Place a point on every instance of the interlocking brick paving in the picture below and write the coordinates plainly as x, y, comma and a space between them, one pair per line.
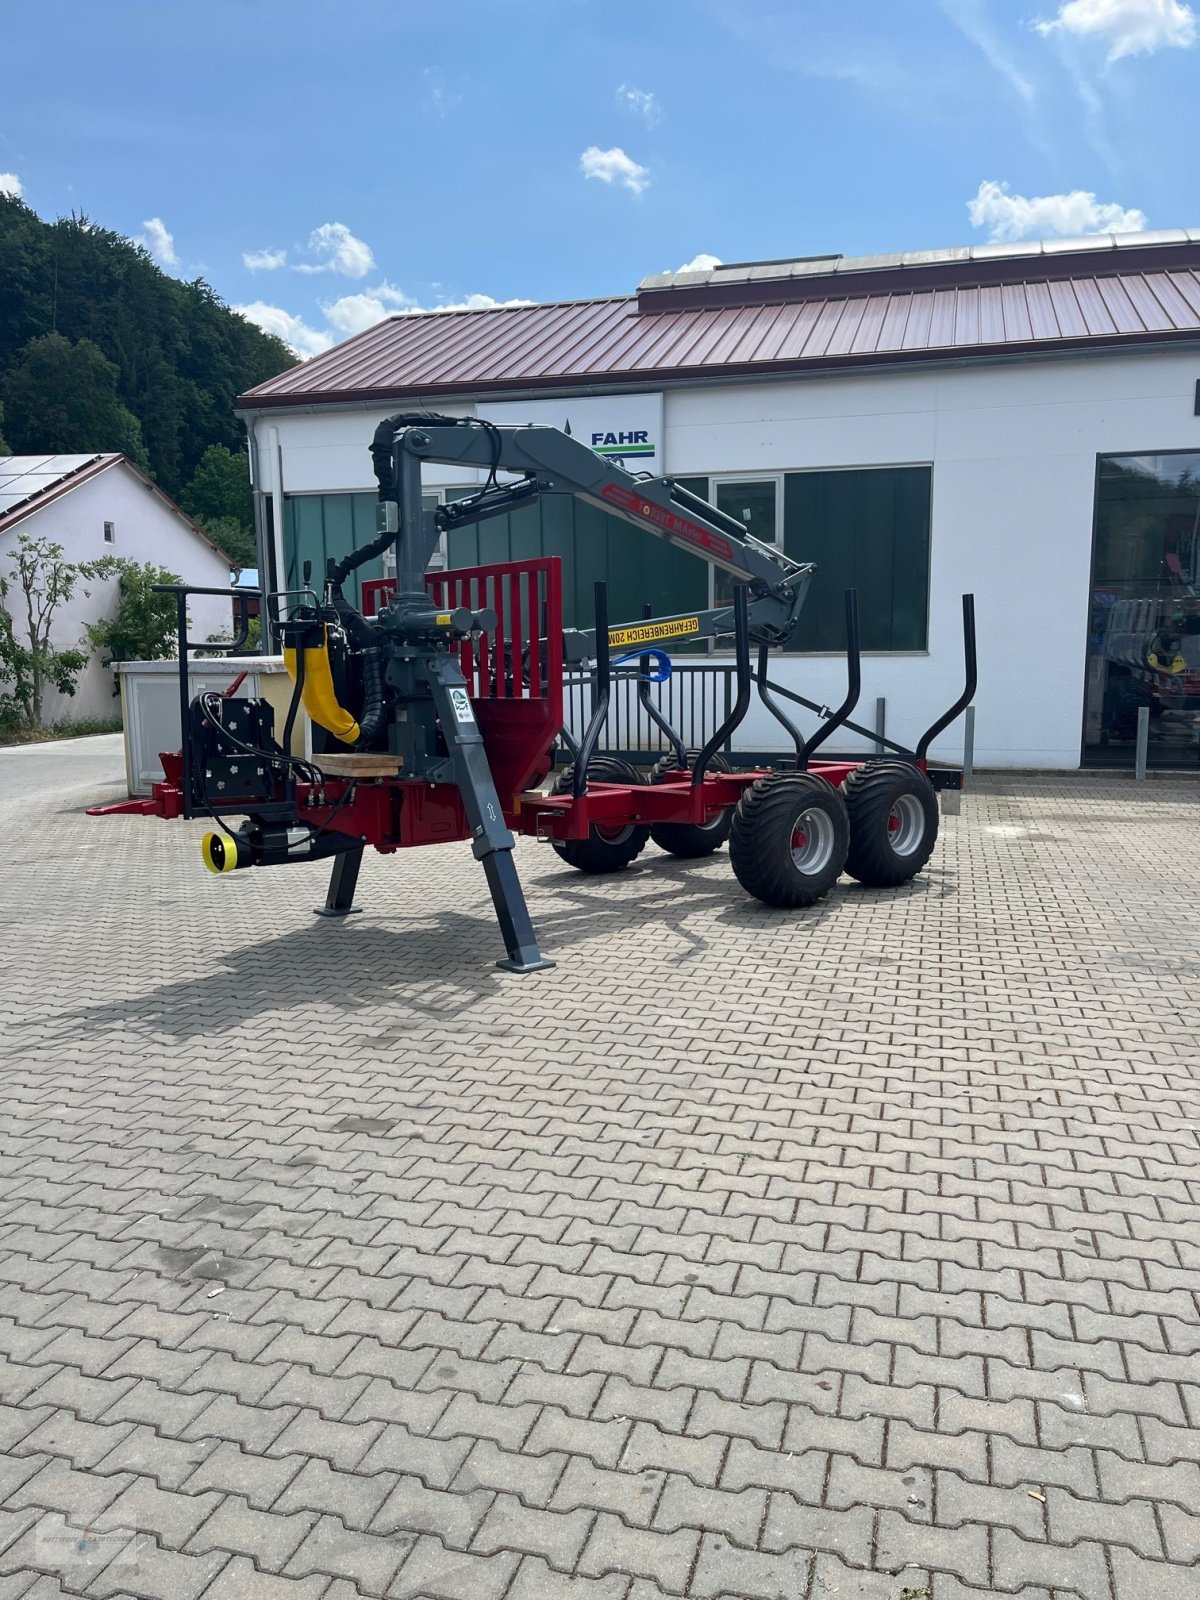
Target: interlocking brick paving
846, 1252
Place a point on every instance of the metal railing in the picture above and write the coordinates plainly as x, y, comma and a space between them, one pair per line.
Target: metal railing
696, 699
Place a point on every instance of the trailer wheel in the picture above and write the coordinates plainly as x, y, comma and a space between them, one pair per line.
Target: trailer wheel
893, 822
691, 839
789, 839
606, 849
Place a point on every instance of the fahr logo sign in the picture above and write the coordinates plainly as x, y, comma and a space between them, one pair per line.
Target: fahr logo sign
625, 429
620, 446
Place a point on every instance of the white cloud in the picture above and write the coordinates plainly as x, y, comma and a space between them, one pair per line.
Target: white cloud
700, 263
614, 166
1017, 216
10, 185
473, 302
971, 19
264, 260
338, 251
641, 102
294, 331
354, 312
439, 98
159, 241
1128, 27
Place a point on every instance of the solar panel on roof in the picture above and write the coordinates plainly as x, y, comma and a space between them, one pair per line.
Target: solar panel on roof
23, 478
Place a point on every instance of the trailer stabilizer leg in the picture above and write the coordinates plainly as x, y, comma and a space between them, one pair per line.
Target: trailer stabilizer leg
491, 842
343, 880
512, 914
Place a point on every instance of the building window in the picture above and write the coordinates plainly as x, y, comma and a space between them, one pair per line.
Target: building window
757, 503
110, 533
866, 528
1144, 626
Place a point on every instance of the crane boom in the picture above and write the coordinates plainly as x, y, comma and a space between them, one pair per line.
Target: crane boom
549, 461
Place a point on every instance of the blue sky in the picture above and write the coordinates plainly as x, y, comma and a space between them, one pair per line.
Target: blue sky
325, 163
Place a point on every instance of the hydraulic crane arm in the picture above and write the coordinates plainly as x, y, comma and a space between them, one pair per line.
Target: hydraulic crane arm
552, 462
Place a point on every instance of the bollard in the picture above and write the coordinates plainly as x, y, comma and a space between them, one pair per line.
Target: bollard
880, 725
969, 741
1143, 742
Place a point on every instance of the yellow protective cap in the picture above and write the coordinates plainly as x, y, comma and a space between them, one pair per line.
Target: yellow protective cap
219, 852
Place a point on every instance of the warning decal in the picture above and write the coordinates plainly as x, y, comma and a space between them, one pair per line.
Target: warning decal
652, 632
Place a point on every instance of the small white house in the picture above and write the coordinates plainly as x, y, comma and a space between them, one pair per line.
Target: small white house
94, 506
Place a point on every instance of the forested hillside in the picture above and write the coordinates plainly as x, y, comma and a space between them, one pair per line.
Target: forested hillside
100, 350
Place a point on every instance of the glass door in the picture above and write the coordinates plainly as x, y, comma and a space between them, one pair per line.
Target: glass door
755, 503
1144, 627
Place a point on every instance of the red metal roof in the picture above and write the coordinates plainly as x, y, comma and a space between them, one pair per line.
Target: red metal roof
1139, 294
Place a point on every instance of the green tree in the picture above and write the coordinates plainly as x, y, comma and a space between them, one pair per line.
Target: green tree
144, 625
233, 538
4, 449
182, 356
40, 580
220, 487
219, 498
61, 399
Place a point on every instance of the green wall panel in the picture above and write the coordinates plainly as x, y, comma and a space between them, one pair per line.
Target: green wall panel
866, 529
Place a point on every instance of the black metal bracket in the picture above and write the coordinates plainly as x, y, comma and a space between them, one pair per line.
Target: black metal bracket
181, 591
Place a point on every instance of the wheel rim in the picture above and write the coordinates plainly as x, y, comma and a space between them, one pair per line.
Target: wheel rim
812, 841
905, 825
615, 834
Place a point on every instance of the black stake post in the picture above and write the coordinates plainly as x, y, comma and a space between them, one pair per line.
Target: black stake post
853, 682
587, 745
776, 710
972, 678
185, 698
652, 711
741, 657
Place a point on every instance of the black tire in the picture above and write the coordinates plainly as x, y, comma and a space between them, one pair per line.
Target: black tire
893, 814
691, 839
789, 839
608, 849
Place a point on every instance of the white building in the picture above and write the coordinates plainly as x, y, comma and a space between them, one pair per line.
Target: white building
1021, 421
96, 506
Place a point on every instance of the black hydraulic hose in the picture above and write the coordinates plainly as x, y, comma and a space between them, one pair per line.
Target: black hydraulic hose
356, 627
371, 720
337, 571
381, 462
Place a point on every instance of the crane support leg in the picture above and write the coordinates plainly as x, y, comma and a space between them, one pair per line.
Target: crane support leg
343, 880
491, 841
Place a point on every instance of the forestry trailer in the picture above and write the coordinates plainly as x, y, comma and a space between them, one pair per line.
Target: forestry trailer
438, 718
